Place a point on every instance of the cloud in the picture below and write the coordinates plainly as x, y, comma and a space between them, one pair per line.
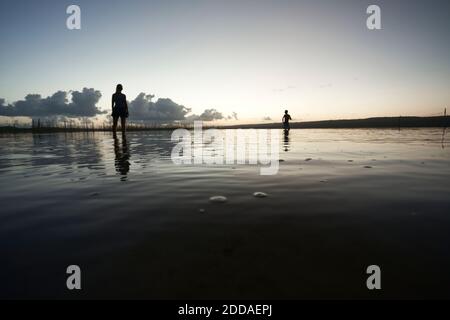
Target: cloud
207, 115
210, 115
82, 104
280, 90
325, 85
143, 108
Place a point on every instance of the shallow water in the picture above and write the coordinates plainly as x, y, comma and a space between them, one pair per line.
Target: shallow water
140, 226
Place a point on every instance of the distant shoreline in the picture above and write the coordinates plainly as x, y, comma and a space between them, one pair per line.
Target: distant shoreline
368, 123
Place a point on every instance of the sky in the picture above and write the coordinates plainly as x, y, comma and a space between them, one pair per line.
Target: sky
257, 58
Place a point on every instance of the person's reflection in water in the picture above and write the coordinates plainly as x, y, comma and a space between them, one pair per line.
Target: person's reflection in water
286, 144
443, 138
122, 160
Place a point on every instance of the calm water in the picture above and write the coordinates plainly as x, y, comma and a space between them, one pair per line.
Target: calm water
140, 226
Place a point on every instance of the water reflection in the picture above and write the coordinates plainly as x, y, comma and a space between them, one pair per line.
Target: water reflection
286, 144
122, 156
80, 149
443, 138
89, 155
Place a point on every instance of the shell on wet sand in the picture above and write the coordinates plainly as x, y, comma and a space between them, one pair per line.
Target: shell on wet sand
260, 195
218, 199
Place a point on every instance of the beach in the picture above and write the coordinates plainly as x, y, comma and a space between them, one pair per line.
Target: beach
140, 226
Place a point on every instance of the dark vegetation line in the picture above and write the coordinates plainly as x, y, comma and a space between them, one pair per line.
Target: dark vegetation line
381, 122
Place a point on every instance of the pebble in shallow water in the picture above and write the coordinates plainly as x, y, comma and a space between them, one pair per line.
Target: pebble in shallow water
218, 199
260, 195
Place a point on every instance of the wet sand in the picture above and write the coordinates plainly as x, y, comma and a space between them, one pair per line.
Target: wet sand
141, 227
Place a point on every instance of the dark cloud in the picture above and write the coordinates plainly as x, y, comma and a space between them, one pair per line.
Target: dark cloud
83, 104
207, 115
233, 116
143, 108
210, 115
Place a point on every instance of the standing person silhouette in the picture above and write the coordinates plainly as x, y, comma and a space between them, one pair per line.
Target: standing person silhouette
119, 109
285, 120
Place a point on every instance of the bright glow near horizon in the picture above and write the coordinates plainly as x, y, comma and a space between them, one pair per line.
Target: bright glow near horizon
256, 58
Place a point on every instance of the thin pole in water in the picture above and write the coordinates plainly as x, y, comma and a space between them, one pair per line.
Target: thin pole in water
445, 128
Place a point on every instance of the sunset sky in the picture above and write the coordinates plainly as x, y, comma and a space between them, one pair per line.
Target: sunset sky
256, 58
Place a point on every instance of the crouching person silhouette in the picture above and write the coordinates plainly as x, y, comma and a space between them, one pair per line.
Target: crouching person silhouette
119, 109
